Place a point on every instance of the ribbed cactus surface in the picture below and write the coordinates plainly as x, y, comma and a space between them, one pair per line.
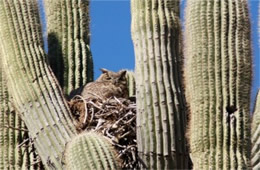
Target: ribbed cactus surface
69, 42
89, 151
160, 100
11, 133
255, 131
130, 83
35, 91
218, 73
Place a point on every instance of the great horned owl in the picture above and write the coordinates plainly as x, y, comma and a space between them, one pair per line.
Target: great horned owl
107, 85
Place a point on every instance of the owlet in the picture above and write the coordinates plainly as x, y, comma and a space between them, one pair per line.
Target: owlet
107, 85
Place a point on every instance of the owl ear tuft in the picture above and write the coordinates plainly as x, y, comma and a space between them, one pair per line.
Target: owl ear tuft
122, 73
103, 70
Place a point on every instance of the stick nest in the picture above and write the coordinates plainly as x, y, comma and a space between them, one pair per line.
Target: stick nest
115, 118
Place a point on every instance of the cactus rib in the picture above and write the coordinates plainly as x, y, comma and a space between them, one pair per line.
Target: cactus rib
255, 131
90, 150
33, 86
69, 41
160, 99
218, 77
131, 83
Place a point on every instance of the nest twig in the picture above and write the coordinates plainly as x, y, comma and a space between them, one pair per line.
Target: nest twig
115, 118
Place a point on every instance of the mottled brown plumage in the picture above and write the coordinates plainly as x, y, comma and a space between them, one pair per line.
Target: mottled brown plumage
107, 85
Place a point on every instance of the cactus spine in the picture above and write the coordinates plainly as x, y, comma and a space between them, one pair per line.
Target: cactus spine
69, 41
11, 156
255, 130
90, 151
31, 83
160, 99
218, 80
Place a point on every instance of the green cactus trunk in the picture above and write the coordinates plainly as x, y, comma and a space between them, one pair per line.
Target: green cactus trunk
218, 76
35, 91
69, 42
90, 151
13, 155
161, 116
255, 131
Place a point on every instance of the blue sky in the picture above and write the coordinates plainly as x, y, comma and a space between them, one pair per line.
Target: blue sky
111, 42
254, 4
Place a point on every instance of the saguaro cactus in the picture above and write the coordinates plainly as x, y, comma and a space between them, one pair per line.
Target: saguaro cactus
90, 151
68, 42
218, 80
255, 127
255, 130
35, 91
12, 133
160, 99
131, 83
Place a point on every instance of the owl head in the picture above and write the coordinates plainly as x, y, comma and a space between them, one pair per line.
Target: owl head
117, 78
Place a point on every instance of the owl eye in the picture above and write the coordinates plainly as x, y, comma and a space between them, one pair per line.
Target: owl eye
108, 78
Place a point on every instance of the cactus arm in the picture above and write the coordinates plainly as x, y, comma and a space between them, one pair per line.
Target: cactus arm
255, 131
33, 86
90, 151
12, 132
7, 135
54, 47
218, 80
68, 39
160, 103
